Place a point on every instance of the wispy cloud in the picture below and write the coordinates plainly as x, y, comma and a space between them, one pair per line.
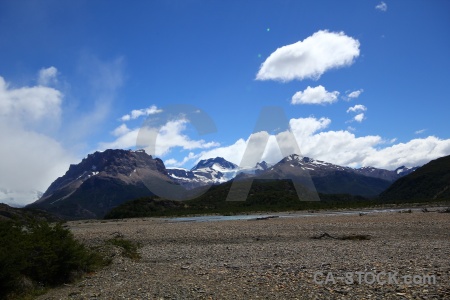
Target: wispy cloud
134, 114
420, 131
315, 95
104, 79
311, 57
382, 6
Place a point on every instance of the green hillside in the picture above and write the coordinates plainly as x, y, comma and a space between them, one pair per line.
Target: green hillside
431, 182
265, 195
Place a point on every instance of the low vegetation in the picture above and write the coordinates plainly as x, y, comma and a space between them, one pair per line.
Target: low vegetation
272, 195
129, 248
264, 196
37, 255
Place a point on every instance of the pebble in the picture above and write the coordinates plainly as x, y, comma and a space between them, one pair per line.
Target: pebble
224, 260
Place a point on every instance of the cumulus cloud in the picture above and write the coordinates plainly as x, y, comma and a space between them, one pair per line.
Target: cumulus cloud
315, 95
305, 127
168, 136
311, 57
232, 153
31, 159
48, 76
381, 6
359, 117
357, 108
354, 94
121, 130
171, 162
341, 147
134, 114
413, 153
29, 104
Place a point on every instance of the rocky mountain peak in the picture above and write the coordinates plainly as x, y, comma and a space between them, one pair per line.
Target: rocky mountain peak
101, 181
218, 162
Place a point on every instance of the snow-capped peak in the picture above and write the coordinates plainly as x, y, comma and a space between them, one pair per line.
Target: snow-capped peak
218, 164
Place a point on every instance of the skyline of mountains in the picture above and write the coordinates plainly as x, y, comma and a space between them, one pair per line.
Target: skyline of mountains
218, 170
106, 179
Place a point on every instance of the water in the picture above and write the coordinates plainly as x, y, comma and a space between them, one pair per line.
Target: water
285, 215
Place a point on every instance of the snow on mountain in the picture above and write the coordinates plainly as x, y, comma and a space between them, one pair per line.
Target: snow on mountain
218, 170
314, 167
218, 164
212, 171
209, 171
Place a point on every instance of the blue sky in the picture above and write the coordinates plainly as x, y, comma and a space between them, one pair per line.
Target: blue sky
73, 70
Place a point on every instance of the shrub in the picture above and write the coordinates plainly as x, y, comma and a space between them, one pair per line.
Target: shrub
47, 254
129, 249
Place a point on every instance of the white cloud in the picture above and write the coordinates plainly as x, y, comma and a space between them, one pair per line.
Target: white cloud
171, 162
29, 104
420, 131
315, 95
354, 94
141, 112
413, 153
48, 76
359, 117
169, 136
121, 130
305, 127
342, 147
232, 153
31, 159
311, 57
357, 108
382, 6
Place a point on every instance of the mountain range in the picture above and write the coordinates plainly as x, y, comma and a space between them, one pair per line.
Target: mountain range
103, 180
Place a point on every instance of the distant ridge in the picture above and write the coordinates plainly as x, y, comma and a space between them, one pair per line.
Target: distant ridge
328, 178
429, 182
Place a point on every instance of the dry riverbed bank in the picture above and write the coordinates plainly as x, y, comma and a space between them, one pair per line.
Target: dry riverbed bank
274, 258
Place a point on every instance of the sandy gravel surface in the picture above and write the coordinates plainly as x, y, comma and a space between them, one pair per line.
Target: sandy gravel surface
271, 259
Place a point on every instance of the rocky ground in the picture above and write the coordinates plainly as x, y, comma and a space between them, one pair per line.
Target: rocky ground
276, 258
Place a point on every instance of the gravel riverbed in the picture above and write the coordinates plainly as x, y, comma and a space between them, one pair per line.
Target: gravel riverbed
274, 258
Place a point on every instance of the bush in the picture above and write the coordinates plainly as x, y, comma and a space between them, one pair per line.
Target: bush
45, 254
129, 249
